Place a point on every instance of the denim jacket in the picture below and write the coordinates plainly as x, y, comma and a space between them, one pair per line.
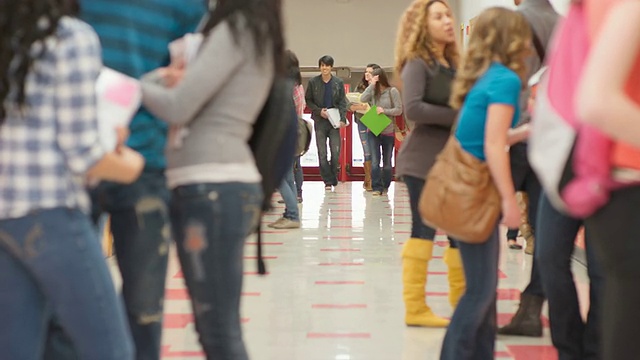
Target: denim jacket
315, 97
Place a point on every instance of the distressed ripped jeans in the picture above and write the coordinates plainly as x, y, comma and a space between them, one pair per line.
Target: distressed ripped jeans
210, 225
141, 233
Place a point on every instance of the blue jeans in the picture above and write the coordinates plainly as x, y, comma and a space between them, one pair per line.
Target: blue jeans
210, 225
51, 264
556, 233
288, 191
418, 229
381, 179
472, 331
141, 234
329, 170
298, 176
363, 132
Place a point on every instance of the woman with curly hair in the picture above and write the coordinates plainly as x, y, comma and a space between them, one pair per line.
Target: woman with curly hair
51, 263
487, 91
426, 59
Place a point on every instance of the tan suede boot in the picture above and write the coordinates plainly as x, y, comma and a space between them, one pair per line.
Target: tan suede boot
416, 254
367, 176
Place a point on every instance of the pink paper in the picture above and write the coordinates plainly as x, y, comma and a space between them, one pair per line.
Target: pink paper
121, 93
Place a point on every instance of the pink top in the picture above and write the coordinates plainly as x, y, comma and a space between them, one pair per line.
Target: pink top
298, 98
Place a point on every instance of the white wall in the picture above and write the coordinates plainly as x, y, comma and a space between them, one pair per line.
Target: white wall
471, 8
354, 32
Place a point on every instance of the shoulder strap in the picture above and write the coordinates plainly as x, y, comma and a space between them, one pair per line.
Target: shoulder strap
537, 43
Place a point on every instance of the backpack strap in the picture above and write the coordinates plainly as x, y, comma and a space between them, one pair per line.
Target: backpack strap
262, 267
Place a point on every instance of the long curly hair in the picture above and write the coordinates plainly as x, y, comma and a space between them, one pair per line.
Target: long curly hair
499, 35
414, 41
23, 23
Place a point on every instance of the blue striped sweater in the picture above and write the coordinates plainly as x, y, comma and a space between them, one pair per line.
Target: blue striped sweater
134, 37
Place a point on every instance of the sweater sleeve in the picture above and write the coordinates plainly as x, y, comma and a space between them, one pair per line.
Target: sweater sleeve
396, 100
415, 78
203, 79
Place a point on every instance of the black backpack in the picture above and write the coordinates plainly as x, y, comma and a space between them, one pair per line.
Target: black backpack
273, 143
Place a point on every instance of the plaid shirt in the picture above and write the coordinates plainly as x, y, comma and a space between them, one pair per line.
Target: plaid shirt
46, 148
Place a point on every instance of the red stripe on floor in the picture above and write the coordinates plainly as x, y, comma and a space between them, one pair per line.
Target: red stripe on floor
436, 293
180, 275
180, 321
508, 294
183, 294
340, 264
338, 336
176, 294
339, 250
529, 352
338, 306
505, 318
167, 353
343, 237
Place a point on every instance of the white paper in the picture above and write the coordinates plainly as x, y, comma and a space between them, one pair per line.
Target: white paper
334, 117
185, 49
118, 99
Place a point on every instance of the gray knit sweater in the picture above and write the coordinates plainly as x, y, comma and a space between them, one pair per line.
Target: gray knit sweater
216, 104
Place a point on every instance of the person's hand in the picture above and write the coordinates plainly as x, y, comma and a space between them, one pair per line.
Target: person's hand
511, 212
343, 124
374, 80
324, 113
171, 75
122, 134
380, 110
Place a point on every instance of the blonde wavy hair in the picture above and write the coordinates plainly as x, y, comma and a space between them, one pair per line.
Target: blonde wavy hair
500, 35
414, 41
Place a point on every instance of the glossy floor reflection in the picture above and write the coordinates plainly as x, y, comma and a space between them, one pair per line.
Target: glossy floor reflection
334, 287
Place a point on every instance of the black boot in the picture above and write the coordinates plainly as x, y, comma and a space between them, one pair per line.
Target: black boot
526, 321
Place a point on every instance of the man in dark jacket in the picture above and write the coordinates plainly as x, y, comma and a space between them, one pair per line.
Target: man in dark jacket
325, 92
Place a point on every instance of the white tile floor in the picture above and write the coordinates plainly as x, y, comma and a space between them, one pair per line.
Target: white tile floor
334, 287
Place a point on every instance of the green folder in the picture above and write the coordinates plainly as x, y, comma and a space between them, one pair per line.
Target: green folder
374, 121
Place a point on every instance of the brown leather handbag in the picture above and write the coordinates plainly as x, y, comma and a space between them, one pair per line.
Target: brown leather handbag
459, 196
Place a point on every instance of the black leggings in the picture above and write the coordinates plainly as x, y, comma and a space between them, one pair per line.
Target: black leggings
418, 229
615, 236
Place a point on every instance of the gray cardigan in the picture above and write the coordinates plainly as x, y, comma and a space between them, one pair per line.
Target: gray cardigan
389, 100
432, 123
218, 100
